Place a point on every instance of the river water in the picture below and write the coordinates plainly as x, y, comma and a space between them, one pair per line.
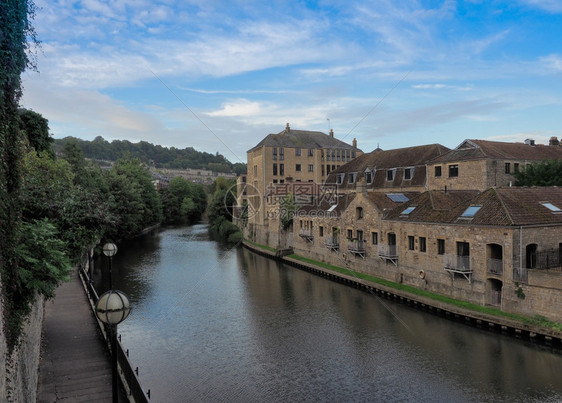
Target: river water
213, 324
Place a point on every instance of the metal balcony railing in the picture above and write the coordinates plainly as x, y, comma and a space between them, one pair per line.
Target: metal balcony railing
495, 266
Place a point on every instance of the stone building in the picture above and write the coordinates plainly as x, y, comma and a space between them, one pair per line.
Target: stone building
403, 169
482, 164
290, 156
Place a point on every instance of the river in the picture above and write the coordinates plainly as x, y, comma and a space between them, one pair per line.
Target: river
213, 324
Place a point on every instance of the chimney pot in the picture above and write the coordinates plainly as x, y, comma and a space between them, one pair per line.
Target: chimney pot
288, 128
354, 143
553, 141
332, 133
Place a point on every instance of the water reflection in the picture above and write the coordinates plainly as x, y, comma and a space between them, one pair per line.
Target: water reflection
213, 324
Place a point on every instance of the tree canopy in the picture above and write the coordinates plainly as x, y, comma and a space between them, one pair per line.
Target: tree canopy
161, 157
545, 173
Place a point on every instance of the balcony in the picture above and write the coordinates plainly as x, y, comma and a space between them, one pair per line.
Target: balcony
388, 253
456, 264
306, 234
332, 243
495, 266
357, 247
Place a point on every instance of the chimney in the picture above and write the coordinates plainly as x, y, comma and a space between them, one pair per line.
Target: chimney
288, 128
553, 141
530, 142
332, 133
354, 143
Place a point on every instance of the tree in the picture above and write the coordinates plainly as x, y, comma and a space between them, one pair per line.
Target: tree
545, 173
17, 37
183, 201
36, 129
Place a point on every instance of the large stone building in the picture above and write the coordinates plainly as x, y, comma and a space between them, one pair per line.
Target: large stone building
482, 164
296, 157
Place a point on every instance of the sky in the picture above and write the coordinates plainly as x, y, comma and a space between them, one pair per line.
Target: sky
221, 75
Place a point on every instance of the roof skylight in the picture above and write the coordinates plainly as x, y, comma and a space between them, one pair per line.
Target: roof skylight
469, 212
551, 207
397, 197
408, 210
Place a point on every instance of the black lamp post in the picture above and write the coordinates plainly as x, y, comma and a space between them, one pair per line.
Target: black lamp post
110, 250
112, 308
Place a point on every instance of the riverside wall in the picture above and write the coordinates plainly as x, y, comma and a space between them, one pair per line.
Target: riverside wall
19, 371
506, 326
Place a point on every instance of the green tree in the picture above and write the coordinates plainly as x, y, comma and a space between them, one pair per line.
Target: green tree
183, 201
17, 38
36, 129
545, 173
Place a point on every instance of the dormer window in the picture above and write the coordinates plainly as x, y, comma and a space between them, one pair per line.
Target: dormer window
408, 173
352, 177
390, 174
368, 177
339, 179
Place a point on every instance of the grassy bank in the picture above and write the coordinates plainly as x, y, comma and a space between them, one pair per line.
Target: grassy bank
536, 321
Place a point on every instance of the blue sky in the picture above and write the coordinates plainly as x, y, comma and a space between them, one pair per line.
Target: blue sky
221, 75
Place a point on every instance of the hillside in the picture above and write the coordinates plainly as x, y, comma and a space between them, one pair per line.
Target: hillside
161, 157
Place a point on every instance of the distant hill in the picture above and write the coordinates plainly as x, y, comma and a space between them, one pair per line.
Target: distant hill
158, 156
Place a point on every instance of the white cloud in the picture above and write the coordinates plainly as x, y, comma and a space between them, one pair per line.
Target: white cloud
553, 6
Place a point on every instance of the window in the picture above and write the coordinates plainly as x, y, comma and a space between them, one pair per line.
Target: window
310, 152
353, 154
411, 242
507, 168
469, 212
281, 180
551, 207
347, 155
422, 244
275, 181
327, 169
375, 238
408, 173
352, 177
298, 167
274, 153
281, 154
453, 171
397, 197
339, 178
390, 173
438, 171
282, 169
255, 170
338, 155
322, 166
359, 235
408, 210
333, 155
440, 246
274, 169
358, 213
368, 177
349, 234
310, 168
297, 152
515, 167
321, 231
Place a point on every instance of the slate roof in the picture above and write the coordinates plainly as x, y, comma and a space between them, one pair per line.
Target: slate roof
323, 204
498, 206
484, 149
399, 158
302, 139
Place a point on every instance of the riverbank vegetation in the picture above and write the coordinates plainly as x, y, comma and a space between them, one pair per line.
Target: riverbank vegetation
220, 212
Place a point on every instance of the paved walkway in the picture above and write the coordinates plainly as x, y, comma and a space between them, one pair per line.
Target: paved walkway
75, 365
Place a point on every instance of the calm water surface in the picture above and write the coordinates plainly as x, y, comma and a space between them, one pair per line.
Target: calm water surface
216, 324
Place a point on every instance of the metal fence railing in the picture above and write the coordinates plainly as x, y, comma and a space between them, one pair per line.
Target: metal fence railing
129, 377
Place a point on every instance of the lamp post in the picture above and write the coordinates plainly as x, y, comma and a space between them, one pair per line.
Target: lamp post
109, 250
112, 308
